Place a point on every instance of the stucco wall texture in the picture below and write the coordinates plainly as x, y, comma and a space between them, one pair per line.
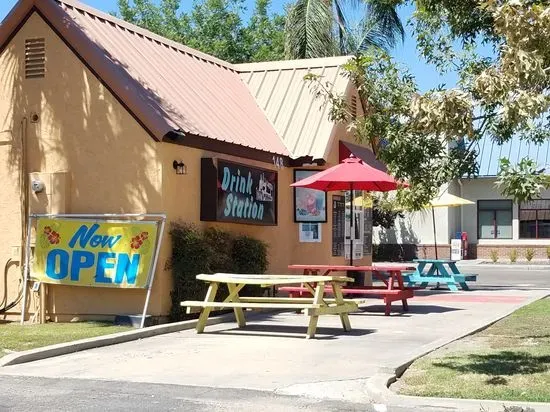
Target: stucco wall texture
96, 158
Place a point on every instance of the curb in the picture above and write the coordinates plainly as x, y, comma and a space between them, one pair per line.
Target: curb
378, 386
510, 266
106, 340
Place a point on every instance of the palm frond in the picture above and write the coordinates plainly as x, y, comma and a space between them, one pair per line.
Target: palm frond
341, 23
309, 30
387, 21
368, 34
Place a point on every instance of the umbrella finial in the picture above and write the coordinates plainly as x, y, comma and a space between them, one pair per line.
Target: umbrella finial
352, 159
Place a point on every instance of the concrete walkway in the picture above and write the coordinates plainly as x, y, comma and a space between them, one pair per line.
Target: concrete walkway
271, 352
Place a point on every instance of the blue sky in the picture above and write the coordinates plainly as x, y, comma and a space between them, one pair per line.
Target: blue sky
426, 76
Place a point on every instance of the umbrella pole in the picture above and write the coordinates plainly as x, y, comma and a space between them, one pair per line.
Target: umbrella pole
435, 235
435, 242
351, 217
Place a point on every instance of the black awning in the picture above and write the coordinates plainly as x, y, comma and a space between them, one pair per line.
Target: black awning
363, 153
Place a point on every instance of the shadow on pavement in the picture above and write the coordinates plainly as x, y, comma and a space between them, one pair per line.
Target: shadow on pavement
506, 287
379, 310
291, 331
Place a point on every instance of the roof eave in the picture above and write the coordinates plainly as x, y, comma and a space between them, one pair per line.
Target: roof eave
219, 146
13, 21
123, 86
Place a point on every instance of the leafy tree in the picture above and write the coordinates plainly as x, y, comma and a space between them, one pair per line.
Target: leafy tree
265, 34
429, 139
385, 211
213, 26
319, 28
522, 182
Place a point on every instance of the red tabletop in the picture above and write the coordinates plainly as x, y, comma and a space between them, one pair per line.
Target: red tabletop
387, 268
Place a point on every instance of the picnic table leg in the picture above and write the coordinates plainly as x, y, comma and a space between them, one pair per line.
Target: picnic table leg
337, 290
455, 271
387, 301
317, 300
205, 312
402, 287
239, 313
452, 286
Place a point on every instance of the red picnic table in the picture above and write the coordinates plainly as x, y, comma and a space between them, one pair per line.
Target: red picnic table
393, 290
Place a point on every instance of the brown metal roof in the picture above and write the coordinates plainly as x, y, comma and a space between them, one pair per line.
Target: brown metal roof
167, 86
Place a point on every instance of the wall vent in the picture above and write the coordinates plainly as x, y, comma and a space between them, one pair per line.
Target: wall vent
353, 107
35, 58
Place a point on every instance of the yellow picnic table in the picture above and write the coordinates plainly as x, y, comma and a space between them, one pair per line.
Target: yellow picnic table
313, 307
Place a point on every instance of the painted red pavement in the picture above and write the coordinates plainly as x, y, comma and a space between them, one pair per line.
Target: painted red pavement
465, 297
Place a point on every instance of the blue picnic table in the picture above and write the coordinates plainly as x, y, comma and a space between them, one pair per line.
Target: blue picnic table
441, 271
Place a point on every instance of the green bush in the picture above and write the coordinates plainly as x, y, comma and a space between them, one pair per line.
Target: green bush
529, 254
210, 251
513, 255
494, 255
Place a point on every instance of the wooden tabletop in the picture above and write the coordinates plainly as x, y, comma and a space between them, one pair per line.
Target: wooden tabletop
269, 280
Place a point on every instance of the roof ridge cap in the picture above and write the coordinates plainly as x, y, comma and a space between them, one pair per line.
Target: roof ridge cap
144, 32
331, 61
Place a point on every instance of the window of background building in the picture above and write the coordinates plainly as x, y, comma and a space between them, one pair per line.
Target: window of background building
534, 219
494, 219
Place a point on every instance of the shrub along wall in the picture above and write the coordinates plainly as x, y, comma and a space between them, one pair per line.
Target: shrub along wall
210, 251
394, 252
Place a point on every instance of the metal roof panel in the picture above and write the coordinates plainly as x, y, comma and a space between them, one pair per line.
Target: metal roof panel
167, 86
289, 103
514, 150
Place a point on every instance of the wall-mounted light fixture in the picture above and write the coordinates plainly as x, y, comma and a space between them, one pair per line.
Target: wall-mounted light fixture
180, 167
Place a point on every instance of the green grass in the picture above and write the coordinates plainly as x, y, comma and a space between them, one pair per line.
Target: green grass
14, 337
507, 361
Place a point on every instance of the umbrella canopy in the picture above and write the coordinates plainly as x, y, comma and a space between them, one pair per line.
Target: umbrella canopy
449, 200
351, 174
445, 200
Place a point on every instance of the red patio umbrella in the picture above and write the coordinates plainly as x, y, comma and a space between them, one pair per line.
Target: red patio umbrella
351, 174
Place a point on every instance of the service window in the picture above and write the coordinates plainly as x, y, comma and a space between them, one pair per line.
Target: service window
534, 219
494, 219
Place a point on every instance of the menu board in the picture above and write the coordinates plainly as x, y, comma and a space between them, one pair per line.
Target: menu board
367, 234
338, 225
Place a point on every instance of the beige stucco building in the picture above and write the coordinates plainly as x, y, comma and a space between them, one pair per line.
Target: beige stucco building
99, 111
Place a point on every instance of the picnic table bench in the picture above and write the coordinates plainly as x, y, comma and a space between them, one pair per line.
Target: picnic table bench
392, 291
313, 307
441, 271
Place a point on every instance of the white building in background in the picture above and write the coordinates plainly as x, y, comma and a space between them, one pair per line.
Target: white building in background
491, 223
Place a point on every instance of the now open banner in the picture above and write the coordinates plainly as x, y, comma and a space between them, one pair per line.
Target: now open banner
94, 253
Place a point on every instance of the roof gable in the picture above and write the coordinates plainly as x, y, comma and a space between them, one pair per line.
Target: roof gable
299, 118
168, 87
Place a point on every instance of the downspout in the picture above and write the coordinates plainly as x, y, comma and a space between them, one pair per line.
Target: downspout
24, 197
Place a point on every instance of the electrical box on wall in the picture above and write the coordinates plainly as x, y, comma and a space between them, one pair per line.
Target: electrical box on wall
49, 192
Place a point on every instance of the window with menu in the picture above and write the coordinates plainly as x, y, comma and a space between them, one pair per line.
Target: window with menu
534, 219
494, 219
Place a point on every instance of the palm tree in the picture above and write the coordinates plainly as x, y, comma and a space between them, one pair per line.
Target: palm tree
319, 28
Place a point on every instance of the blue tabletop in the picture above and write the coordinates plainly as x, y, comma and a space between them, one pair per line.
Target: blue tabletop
434, 261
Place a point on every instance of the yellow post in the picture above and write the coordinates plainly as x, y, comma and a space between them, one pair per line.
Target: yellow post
234, 296
337, 289
317, 301
210, 297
